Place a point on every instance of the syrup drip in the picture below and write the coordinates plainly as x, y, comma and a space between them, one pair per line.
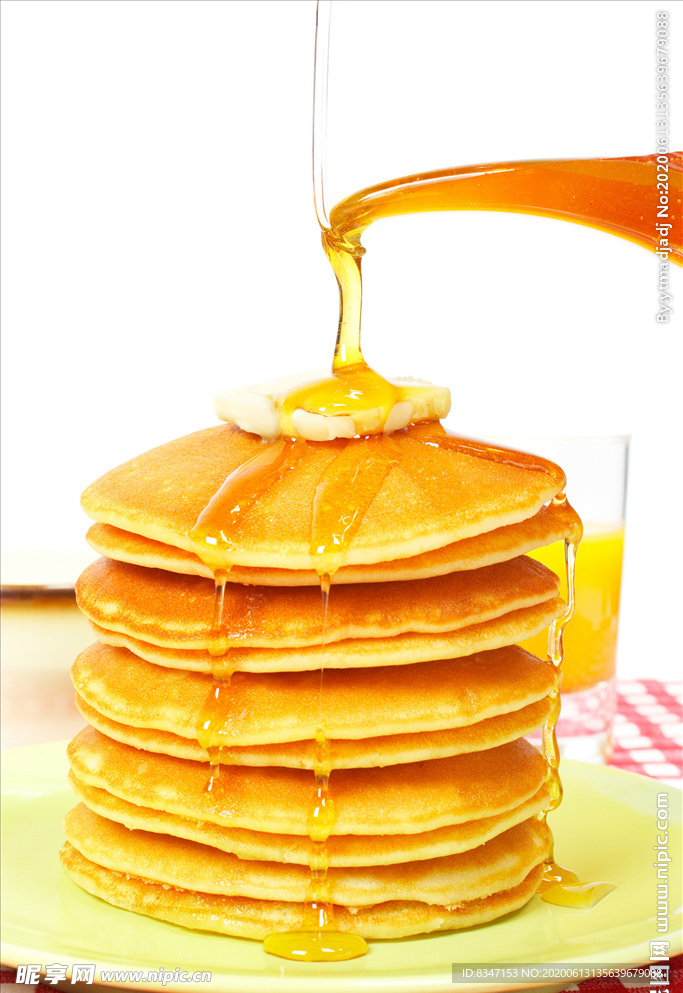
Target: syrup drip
205, 735
215, 535
318, 940
217, 722
559, 885
343, 496
554, 874
216, 532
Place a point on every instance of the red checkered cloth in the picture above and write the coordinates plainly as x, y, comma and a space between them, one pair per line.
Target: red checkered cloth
647, 740
648, 729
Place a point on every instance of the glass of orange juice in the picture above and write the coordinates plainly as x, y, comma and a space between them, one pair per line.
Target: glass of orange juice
596, 470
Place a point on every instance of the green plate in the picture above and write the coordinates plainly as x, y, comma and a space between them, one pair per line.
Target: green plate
605, 829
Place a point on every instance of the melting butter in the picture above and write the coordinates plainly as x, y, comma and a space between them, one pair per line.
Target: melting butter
353, 401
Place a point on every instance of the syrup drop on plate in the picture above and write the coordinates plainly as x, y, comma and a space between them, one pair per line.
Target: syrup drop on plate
582, 896
315, 946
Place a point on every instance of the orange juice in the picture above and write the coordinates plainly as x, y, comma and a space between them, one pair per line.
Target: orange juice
590, 640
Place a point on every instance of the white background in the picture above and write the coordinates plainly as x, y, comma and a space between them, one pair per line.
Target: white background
159, 239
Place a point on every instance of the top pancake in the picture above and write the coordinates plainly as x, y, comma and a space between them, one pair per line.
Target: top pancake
430, 498
550, 524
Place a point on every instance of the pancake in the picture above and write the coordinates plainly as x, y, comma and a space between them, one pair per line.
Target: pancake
405, 649
401, 799
452, 495
361, 753
342, 850
258, 709
501, 863
550, 524
173, 610
248, 918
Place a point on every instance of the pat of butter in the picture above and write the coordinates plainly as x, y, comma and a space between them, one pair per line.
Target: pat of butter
260, 409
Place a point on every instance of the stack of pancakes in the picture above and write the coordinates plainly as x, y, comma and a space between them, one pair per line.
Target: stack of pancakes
425, 699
